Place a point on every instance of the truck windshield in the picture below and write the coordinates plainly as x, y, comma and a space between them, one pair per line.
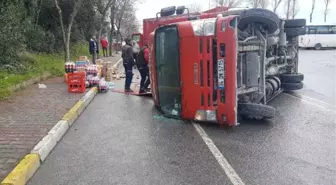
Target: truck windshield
136, 37
168, 70
204, 27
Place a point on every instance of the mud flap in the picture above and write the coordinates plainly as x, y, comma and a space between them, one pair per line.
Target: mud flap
226, 32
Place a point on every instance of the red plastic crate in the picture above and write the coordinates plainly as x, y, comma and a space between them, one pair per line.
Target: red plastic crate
76, 82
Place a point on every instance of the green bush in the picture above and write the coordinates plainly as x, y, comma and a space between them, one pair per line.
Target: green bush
33, 65
11, 32
40, 40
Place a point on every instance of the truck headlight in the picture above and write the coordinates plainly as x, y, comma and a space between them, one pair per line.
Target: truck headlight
206, 115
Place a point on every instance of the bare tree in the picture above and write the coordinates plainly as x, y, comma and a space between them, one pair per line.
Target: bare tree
122, 11
66, 29
112, 19
312, 11
276, 4
287, 8
258, 3
102, 8
295, 8
228, 3
291, 8
194, 7
129, 25
326, 2
123, 6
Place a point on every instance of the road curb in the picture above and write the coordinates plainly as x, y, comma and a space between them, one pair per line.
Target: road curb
31, 162
23, 171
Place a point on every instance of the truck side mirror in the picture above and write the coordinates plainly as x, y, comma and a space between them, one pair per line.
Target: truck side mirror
168, 11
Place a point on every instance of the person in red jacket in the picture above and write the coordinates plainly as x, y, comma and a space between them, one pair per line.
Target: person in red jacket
104, 44
142, 65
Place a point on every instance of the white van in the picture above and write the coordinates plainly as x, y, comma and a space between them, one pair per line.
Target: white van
319, 36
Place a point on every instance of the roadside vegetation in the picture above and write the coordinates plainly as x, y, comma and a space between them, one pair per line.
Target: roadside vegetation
38, 36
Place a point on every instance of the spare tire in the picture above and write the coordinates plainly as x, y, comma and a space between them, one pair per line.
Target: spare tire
267, 18
294, 32
291, 77
252, 110
292, 86
293, 23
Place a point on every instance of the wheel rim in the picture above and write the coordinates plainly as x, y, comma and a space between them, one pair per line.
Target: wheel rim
318, 46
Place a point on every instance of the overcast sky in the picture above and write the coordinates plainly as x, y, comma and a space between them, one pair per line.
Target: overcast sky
151, 7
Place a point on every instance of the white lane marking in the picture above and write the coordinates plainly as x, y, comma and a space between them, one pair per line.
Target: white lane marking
312, 103
310, 98
229, 171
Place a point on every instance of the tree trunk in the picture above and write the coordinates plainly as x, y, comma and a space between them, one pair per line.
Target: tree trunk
103, 14
293, 8
62, 28
99, 34
67, 45
112, 28
326, 10
312, 11
288, 9
67, 33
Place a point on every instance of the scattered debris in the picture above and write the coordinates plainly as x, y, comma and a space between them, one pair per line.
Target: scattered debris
42, 86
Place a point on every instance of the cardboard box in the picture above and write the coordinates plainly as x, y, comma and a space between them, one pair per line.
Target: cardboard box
83, 58
108, 64
99, 62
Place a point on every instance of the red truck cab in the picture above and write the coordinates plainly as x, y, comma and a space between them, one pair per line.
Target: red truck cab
191, 72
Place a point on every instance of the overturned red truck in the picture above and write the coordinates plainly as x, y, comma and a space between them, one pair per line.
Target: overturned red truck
224, 68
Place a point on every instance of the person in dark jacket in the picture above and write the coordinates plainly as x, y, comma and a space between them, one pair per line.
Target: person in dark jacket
94, 50
142, 65
128, 61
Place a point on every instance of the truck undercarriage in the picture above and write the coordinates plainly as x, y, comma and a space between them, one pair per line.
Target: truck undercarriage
267, 60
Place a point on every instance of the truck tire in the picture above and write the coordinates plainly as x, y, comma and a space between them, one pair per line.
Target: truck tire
252, 110
294, 23
294, 32
291, 78
269, 19
292, 86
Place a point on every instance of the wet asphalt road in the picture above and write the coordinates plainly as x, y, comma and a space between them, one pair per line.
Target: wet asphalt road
122, 139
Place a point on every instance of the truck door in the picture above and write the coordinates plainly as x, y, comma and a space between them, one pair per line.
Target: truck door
167, 66
226, 33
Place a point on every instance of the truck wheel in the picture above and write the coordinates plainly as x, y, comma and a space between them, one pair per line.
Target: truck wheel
293, 23
292, 86
294, 32
252, 110
291, 78
269, 19
318, 46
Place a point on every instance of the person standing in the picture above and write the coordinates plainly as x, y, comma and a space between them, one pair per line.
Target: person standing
104, 44
93, 47
128, 61
142, 65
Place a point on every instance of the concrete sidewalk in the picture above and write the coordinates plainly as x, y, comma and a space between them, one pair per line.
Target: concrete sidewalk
28, 115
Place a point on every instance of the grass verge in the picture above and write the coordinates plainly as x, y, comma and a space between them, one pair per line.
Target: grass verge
53, 63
